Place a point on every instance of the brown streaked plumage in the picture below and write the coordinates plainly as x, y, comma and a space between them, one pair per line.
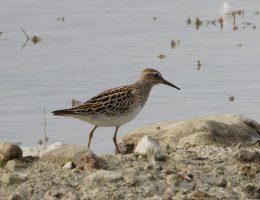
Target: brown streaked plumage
117, 106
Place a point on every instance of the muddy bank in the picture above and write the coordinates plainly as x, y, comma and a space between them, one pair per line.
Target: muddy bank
197, 171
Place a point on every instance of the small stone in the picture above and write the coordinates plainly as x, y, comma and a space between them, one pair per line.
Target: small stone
69, 165
10, 179
184, 175
252, 191
15, 197
10, 151
222, 182
13, 165
148, 167
160, 156
90, 161
147, 144
167, 197
199, 195
126, 148
247, 156
172, 179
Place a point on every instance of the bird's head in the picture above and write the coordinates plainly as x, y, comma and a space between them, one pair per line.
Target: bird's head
154, 77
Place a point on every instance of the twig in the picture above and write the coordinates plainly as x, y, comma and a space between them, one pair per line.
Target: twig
45, 133
27, 38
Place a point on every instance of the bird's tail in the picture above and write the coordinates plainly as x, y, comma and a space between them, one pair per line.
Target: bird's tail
62, 112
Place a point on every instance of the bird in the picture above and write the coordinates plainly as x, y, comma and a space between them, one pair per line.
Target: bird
117, 106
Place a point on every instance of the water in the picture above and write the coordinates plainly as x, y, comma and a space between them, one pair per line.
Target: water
103, 44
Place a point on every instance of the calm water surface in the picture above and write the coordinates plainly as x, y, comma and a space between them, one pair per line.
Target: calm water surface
103, 44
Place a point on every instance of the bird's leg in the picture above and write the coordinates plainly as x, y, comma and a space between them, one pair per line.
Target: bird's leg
114, 140
91, 135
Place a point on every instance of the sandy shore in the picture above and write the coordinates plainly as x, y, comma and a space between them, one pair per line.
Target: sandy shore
205, 171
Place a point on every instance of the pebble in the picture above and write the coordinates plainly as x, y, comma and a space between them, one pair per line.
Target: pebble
248, 156
10, 151
147, 144
222, 182
172, 179
69, 165
14, 165
10, 179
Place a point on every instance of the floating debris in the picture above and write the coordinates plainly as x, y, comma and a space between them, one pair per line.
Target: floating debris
173, 44
188, 21
221, 21
239, 45
75, 103
198, 23
184, 175
2, 38
212, 22
247, 23
234, 14
35, 39
199, 65
40, 142
154, 18
161, 56
256, 12
231, 98
235, 27
27, 38
61, 18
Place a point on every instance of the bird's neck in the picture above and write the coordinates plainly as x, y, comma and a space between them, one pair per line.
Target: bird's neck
143, 89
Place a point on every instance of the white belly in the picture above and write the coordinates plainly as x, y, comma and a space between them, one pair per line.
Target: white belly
109, 121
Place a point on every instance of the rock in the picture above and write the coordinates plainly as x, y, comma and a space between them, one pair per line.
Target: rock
69, 165
199, 195
90, 161
222, 182
146, 145
160, 156
172, 179
64, 153
9, 151
15, 197
166, 197
39, 151
126, 148
184, 175
252, 191
10, 179
13, 165
248, 156
102, 177
225, 129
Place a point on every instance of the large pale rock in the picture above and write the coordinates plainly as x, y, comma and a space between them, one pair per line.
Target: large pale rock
146, 144
89, 161
82, 156
225, 129
64, 153
10, 151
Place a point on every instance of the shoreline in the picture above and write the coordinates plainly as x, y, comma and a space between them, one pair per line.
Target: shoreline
164, 166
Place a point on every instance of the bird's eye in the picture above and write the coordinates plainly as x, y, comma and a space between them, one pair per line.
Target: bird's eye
156, 75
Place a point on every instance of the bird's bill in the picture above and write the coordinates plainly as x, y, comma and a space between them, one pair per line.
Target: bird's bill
170, 84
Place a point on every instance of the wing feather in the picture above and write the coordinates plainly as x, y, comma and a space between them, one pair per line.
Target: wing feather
110, 101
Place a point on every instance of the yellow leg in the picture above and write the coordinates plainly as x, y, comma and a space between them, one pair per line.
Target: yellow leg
91, 135
114, 140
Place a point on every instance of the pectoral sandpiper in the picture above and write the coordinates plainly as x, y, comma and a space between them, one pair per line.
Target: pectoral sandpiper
117, 106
